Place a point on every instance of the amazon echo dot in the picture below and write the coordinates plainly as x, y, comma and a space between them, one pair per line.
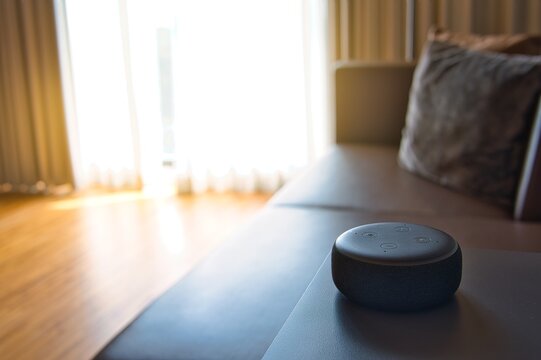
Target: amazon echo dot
396, 266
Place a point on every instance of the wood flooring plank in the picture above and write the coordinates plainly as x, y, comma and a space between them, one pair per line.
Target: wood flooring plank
75, 270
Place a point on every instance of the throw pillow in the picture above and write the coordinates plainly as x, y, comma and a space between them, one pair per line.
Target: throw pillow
468, 118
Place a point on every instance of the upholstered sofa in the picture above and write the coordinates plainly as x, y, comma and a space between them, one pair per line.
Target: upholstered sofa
234, 303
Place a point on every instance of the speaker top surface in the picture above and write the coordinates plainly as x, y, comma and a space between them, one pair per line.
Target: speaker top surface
394, 243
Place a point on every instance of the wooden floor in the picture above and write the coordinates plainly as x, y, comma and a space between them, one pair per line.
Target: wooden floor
75, 270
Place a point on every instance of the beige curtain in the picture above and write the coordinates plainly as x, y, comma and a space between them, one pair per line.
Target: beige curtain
395, 30
368, 29
34, 153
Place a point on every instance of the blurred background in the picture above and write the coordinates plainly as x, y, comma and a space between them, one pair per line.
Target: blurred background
188, 97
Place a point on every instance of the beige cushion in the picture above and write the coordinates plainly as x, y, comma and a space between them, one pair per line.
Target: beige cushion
525, 44
468, 119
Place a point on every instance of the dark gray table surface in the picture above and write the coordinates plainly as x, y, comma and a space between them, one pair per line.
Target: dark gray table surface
495, 314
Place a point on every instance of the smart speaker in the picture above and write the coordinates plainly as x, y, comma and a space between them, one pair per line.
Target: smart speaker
396, 266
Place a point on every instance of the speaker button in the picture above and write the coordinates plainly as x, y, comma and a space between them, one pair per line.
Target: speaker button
422, 239
402, 228
369, 234
388, 246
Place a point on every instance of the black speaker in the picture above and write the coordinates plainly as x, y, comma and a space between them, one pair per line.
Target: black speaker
396, 266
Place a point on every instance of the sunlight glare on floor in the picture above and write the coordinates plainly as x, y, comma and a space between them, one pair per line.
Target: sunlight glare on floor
110, 198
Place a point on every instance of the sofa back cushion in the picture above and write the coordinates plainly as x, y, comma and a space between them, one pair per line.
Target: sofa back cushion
371, 101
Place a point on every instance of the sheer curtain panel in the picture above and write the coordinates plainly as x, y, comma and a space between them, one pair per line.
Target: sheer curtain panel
34, 155
197, 95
